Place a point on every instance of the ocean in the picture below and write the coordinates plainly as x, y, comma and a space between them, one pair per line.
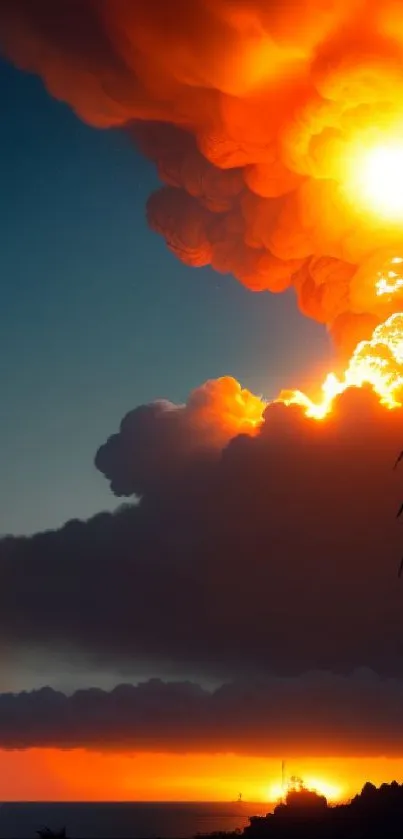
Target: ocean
124, 820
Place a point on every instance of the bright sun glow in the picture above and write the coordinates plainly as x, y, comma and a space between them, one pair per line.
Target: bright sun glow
377, 362
378, 179
333, 792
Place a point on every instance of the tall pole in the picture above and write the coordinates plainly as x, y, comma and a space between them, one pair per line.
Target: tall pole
283, 779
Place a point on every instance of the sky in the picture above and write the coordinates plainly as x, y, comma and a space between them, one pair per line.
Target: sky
189, 569
97, 317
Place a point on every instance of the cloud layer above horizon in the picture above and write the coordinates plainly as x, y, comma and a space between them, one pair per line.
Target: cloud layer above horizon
317, 714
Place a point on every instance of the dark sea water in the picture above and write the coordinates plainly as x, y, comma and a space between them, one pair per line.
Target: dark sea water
137, 820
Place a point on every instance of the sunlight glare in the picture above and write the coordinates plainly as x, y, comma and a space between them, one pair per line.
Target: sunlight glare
378, 180
331, 791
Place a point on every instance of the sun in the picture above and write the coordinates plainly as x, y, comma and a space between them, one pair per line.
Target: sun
377, 179
333, 792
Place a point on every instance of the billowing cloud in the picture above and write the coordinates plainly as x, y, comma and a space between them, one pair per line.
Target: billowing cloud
319, 713
278, 554
261, 541
263, 119
159, 439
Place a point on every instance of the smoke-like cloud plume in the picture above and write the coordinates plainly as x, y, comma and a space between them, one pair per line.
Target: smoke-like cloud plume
258, 116
274, 550
254, 525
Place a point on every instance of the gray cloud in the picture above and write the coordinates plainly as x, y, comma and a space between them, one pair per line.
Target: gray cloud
319, 712
279, 554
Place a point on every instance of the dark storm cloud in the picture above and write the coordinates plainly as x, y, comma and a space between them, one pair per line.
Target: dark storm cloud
279, 554
359, 715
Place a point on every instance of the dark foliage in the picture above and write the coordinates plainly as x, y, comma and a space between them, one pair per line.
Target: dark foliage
373, 814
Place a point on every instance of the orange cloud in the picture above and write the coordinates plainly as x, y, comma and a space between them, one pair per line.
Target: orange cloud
270, 124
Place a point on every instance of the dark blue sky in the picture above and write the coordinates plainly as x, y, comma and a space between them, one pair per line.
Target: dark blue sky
97, 316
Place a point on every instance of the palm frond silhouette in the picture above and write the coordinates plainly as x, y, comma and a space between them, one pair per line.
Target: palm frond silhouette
398, 459
399, 513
